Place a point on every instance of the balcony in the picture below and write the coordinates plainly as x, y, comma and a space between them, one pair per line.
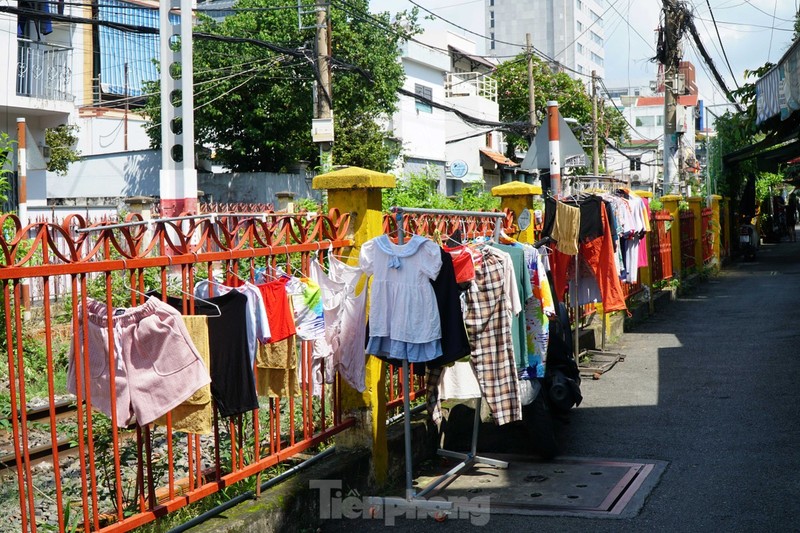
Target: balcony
44, 71
471, 84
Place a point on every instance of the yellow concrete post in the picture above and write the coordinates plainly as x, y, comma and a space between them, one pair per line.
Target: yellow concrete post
696, 206
670, 202
716, 227
726, 226
518, 196
646, 273
359, 192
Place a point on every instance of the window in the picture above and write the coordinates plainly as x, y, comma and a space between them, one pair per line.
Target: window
491, 23
596, 18
650, 121
580, 69
491, 3
597, 39
423, 106
580, 26
580, 48
579, 5
492, 42
597, 60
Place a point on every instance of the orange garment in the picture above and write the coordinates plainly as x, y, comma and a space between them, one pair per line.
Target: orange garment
599, 254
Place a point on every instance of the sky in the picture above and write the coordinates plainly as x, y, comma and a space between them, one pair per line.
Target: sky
745, 29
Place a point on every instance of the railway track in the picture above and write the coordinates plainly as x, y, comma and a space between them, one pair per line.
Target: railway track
36, 454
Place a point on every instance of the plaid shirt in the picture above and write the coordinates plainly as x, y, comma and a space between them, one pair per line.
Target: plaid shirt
487, 316
488, 321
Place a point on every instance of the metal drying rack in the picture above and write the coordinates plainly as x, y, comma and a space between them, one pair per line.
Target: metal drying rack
416, 500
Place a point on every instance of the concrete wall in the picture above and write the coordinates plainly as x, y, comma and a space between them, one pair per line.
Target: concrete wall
100, 179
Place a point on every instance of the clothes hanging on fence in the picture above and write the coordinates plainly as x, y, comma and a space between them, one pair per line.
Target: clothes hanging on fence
344, 302
157, 366
256, 318
309, 318
232, 380
195, 415
403, 317
279, 312
276, 369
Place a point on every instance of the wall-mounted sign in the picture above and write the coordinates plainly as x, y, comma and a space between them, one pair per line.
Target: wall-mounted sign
459, 168
322, 130
524, 220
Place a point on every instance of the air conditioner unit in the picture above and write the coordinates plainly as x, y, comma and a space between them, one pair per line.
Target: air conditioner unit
45, 151
635, 178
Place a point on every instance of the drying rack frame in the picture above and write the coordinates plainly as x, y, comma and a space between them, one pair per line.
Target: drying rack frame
610, 358
416, 500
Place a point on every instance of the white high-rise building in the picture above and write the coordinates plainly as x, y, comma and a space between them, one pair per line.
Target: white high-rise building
568, 31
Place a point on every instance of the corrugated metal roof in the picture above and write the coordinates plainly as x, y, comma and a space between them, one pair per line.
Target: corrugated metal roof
498, 158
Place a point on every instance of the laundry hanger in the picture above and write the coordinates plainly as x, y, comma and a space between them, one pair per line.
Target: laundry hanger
191, 296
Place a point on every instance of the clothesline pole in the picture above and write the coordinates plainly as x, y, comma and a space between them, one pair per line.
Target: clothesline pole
407, 424
144, 222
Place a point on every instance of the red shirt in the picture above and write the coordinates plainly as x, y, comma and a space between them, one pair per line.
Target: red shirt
462, 263
279, 312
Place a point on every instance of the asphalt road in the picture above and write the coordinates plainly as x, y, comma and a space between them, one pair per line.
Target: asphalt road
709, 385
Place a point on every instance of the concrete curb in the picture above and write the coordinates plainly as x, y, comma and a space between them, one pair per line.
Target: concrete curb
295, 505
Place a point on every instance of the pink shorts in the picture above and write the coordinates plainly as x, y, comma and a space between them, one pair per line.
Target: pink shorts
156, 365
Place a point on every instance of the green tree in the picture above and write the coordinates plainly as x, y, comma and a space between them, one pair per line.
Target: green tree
61, 140
6, 150
254, 103
735, 131
571, 95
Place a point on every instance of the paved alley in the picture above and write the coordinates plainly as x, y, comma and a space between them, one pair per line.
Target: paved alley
709, 386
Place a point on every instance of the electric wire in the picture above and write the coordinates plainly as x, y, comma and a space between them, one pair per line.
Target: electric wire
772, 33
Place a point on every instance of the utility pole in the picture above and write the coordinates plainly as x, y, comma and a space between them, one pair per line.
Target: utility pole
178, 176
595, 149
322, 130
531, 88
672, 55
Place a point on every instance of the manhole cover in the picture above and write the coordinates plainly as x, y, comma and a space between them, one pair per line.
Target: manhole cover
573, 486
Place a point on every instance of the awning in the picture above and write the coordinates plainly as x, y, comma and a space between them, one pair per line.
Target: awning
477, 60
498, 158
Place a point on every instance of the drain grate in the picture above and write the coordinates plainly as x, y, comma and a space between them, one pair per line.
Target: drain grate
573, 486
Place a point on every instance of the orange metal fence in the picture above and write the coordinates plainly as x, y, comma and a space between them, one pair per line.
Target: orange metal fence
661, 245
104, 476
688, 239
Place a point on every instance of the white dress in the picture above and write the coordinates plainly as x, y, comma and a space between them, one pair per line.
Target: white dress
345, 314
403, 316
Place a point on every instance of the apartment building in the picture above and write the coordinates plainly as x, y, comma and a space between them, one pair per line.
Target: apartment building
66, 72
443, 68
570, 32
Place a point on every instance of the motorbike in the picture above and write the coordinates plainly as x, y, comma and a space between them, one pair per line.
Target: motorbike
748, 241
